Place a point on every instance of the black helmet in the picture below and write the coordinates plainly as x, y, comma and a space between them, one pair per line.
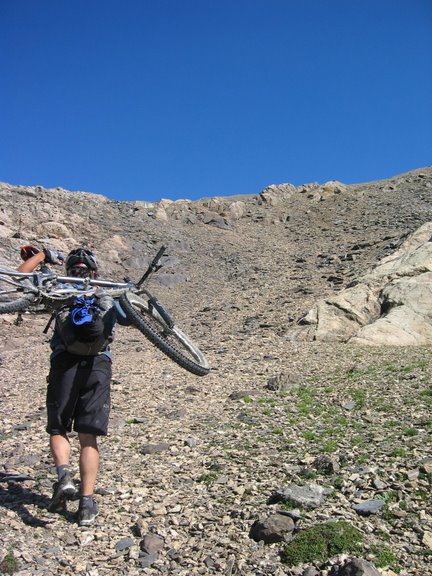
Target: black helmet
80, 258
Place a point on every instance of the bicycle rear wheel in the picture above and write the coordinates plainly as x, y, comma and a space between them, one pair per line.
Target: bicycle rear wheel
170, 340
15, 296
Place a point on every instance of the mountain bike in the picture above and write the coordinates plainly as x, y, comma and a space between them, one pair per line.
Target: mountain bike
46, 291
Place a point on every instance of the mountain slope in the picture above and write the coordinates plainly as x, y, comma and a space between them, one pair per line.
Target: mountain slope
240, 272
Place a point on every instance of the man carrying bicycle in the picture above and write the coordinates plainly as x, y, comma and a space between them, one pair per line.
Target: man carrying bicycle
78, 394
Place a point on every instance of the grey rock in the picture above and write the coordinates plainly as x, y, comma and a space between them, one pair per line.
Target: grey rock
310, 496
368, 507
281, 382
358, 567
151, 543
275, 528
379, 484
294, 513
139, 528
191, 442
216, 220
247, 419
240, 394
349, 406
155, 448
146, 560
326, 464
22, 427
426, 465
311, 571
124, 544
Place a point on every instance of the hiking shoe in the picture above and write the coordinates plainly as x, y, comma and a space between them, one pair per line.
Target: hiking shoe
63, 490
87, 514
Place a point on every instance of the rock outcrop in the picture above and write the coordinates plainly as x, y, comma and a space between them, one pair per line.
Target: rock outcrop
391, 305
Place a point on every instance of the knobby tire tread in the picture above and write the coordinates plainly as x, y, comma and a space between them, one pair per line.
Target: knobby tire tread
139, 321
18, 305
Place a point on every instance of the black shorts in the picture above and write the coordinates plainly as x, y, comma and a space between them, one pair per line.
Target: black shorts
79, 393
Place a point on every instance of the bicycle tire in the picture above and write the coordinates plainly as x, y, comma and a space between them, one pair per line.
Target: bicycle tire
171, 341
16, 305
53, 303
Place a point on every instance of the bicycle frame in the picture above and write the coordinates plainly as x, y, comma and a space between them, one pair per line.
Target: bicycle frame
29, 290
41, 280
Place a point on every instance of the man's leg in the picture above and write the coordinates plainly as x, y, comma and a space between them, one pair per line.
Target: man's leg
89, 462
89, 465
60, 394
60, 449
91, 421
64, 488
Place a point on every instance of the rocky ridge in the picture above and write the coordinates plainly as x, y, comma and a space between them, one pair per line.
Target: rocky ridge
191, 465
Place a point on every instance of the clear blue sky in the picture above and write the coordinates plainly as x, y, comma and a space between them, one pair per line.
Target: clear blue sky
150, 99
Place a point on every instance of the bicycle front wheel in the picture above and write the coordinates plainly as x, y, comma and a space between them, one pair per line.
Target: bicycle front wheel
14, 296
170, 340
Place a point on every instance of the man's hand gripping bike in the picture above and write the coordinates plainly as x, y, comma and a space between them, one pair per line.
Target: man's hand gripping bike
21, 291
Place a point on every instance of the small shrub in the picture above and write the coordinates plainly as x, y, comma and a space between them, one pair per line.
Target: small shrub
426, 395
362, 459
342, 421
321, 542
9, 564
410, 432
339, 483
384, 557
359, 396
330, 447
208, 478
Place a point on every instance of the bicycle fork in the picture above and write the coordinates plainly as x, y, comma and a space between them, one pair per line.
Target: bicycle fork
154, 304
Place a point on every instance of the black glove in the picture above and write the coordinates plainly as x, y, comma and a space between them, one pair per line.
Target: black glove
53, 257
28, 251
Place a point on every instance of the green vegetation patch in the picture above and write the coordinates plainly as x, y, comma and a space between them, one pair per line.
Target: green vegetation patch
321, 542
398, 452
9, 564
410, 432
207, 478
384, 557
426, 395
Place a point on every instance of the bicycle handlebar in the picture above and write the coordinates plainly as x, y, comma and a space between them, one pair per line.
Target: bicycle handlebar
39, 279
153, 267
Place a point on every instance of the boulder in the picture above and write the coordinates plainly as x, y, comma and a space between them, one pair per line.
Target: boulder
275, 528
236, 210
358, 567
333, 187
275, 194
53, 230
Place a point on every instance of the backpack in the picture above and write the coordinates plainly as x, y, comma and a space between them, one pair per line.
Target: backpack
86, 325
